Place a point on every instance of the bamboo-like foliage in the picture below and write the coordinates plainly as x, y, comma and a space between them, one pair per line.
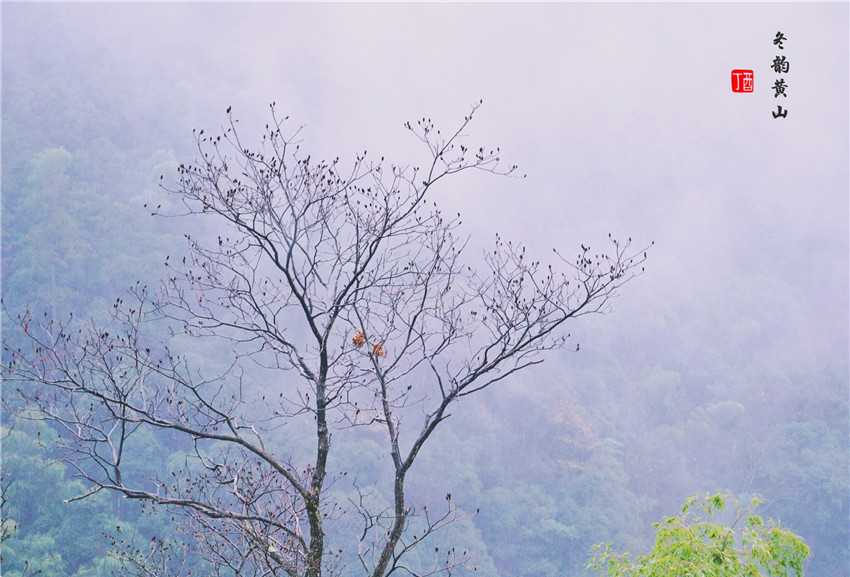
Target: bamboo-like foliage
697, 543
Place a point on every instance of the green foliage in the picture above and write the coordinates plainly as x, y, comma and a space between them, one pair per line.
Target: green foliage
45, 531
42, 528
672, 407
696, 543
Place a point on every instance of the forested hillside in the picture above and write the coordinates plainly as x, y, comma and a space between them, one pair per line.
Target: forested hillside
731, 387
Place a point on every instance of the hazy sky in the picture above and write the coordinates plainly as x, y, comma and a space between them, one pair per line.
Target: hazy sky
621, 115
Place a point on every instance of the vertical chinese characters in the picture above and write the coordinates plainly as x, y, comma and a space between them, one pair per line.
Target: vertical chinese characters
780, 65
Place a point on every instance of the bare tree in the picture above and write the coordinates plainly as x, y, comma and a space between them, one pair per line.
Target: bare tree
346, 284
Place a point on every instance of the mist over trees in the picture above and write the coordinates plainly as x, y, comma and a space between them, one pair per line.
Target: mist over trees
350, 287
723, 378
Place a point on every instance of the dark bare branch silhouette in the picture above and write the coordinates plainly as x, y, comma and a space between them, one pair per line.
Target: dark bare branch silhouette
349, 284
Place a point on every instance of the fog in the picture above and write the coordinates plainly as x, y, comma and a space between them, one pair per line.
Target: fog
622, 119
